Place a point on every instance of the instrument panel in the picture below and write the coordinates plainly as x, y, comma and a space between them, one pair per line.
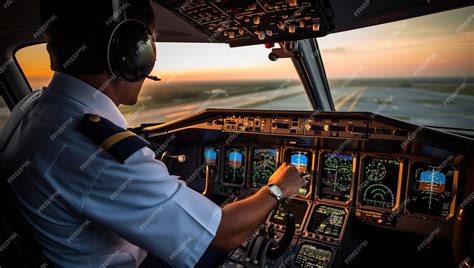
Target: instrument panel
359, 174
254, 22
369, 182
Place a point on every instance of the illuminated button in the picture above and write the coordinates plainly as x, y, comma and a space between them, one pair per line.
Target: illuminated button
292, 28
284, 16
315, 27
220, 28
308, 127
247, 19
301, 23
307, 18
327, 127
269, 32
379, 221
261, 35
281, 25
241, 31
231, 35
256, 19
226, 33
292, 3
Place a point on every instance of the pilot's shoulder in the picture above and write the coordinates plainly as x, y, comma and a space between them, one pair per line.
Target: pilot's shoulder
118, 142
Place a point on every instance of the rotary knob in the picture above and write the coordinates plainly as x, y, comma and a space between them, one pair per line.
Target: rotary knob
350, 128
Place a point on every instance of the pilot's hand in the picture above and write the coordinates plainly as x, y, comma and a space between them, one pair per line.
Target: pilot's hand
287, 178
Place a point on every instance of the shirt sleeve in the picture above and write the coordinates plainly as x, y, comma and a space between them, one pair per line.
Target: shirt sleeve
142, 203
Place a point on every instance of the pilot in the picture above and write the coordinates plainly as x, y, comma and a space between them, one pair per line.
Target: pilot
92, 191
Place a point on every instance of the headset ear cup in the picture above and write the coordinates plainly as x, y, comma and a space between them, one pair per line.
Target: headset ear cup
131, 52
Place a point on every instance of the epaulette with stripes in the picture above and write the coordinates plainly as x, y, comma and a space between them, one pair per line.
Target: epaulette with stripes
118, 142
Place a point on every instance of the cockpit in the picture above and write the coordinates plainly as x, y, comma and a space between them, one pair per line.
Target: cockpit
371, 101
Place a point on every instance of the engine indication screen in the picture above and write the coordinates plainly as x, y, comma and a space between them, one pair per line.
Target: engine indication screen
312, 255
234, 170
327, 221
336, 176
264, 163
301, 159
297, 207
431, 189
379, 183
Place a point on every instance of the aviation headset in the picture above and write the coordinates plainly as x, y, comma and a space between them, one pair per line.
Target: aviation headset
131, 51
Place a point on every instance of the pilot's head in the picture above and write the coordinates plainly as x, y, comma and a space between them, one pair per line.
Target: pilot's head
78, 35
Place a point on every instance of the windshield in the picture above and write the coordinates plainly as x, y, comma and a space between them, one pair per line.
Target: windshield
196, 76
418, 70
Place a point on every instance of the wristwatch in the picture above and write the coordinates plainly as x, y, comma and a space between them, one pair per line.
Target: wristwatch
276, 192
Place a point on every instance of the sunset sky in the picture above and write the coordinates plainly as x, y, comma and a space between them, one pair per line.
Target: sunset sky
436, 42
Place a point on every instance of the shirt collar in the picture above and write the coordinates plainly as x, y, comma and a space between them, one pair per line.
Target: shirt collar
87, 95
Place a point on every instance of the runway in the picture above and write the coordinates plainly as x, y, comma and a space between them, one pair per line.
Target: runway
410, 104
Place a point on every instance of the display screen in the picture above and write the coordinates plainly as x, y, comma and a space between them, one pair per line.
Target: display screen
211, 154
301, 159
312, 255
431, 189
379, 184
264, 163
234, 171
327, 221
336, 176
295, 206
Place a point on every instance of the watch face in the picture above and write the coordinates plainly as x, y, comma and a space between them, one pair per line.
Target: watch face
276, 191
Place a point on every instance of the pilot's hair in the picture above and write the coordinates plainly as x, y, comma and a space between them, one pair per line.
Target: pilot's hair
77, 32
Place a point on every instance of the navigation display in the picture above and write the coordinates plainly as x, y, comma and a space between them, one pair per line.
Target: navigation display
336, 176
327, 221
431, 189
297, 207
301, 159
264, 163
234, 170
379, 183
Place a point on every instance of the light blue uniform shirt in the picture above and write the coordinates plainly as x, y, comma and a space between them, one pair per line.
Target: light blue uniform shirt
86, 208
